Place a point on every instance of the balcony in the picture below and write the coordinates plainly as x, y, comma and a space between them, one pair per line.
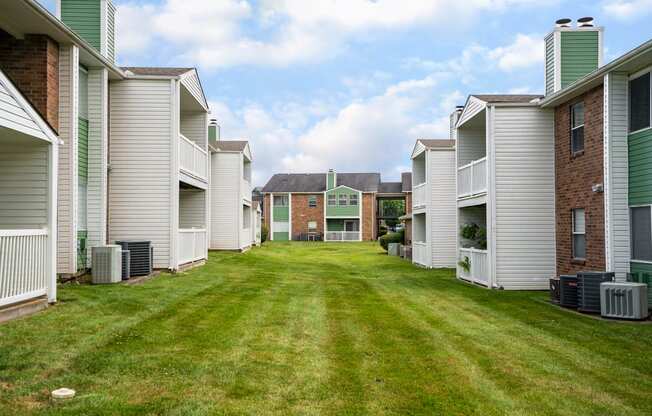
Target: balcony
472, 179
342, 236
245, 189
192, 245
24, 265
420, 253
193, 160
419, 196
479, 269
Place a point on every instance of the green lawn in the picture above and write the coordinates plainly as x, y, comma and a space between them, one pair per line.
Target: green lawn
318, 328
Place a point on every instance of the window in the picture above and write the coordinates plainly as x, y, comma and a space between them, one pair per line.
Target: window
312, 226
639, 103
343, 200
577, 128
353, 199
332, 200
641, 233
281, 201
579, 234
312, 201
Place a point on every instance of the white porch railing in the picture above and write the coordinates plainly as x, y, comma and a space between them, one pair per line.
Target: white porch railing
420, 253
192, 245
419, 196
479, 269
192, 159
472, 178
23, 265
342, 236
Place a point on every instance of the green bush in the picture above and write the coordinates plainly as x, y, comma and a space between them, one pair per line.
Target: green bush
263, 234
397, 237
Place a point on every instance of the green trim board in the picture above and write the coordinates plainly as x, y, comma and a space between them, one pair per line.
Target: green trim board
642, 273
281, 214
640, 167
85, 18
342, 210
580, 54
282, 236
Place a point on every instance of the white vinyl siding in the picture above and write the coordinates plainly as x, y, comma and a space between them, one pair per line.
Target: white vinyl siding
473, 107
13, 116
97, 157
110, 31
442, 208
192, 206
193, 85
524, 195
194, 126
471, 145
141, 181
23, 185
67, 175
225, 201
617, 227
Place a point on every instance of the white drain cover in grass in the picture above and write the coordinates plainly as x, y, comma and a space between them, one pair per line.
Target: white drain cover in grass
63, 393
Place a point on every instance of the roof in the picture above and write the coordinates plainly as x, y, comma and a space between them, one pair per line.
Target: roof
231, 145
406, 181
156, 71
390, 188
316, 182
507, 98
637, 58
438, 143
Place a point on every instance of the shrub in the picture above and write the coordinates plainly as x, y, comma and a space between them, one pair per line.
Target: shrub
263, 234
397, 237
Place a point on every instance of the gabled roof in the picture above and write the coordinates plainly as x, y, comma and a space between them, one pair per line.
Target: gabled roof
506, 98
438, 143
316, 182
406, 181
156, 71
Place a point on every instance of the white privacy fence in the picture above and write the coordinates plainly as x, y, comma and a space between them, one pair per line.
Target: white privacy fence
420, 253
478, 265
24, 265
419, 196
192, 245
342, 236
472, 178
192, 158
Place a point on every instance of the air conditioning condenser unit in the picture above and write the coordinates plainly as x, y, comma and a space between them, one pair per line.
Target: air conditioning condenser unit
623, 300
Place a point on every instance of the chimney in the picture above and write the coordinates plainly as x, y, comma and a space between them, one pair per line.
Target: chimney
331, 180
213, 130
93, 21
571, 52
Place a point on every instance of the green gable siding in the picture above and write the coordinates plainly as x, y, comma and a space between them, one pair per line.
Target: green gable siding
82, 150
331, 180
284, 236
579, 54
342, 211
281, 214
640, 168
84, 17
550, 64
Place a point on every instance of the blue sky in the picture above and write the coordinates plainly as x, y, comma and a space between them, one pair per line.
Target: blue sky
351, 84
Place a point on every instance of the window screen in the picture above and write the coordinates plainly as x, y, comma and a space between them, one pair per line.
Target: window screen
343, 199
332, 200
639, 103
641, 234
579, 234
577, 127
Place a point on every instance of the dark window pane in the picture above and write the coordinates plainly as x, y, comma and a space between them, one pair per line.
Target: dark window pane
577, 142
639, 103
579, 246
641, 234
577, 115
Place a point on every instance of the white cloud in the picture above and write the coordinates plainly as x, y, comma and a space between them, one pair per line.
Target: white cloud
627, 9
525, 51
215, 34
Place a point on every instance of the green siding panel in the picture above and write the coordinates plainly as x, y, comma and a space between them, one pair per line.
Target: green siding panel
285, 236
281, 214
643, 274
640, 167
343, 211
83, 150
579, 55
334, 225
84, 17
331, 180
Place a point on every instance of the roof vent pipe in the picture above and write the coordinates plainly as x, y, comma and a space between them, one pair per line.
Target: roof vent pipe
565, 22
585, 22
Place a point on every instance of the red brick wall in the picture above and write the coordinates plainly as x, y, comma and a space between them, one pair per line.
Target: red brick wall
408, 202
575, 176
268, 211
302, 213
32, 64
368, 217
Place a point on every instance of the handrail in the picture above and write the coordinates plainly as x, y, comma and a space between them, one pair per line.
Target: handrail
475, 162
192, 230
419, 185
23, 233
195, 145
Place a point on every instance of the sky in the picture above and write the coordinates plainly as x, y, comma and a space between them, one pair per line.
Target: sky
351, 84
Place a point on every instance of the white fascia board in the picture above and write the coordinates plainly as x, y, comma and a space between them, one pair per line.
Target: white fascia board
468, 113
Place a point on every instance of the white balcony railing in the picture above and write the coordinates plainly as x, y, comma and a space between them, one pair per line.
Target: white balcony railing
193, 160
420, 253
479, 269
192, 245
24, 264
342, 236
472, 178
419, 196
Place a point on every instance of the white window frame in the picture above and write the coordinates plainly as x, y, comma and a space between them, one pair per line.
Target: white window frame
332, 200
631, 225
284, 198
343, 197
352, 198
312, 229
312, 198
574, 233
573, 128
632, 78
